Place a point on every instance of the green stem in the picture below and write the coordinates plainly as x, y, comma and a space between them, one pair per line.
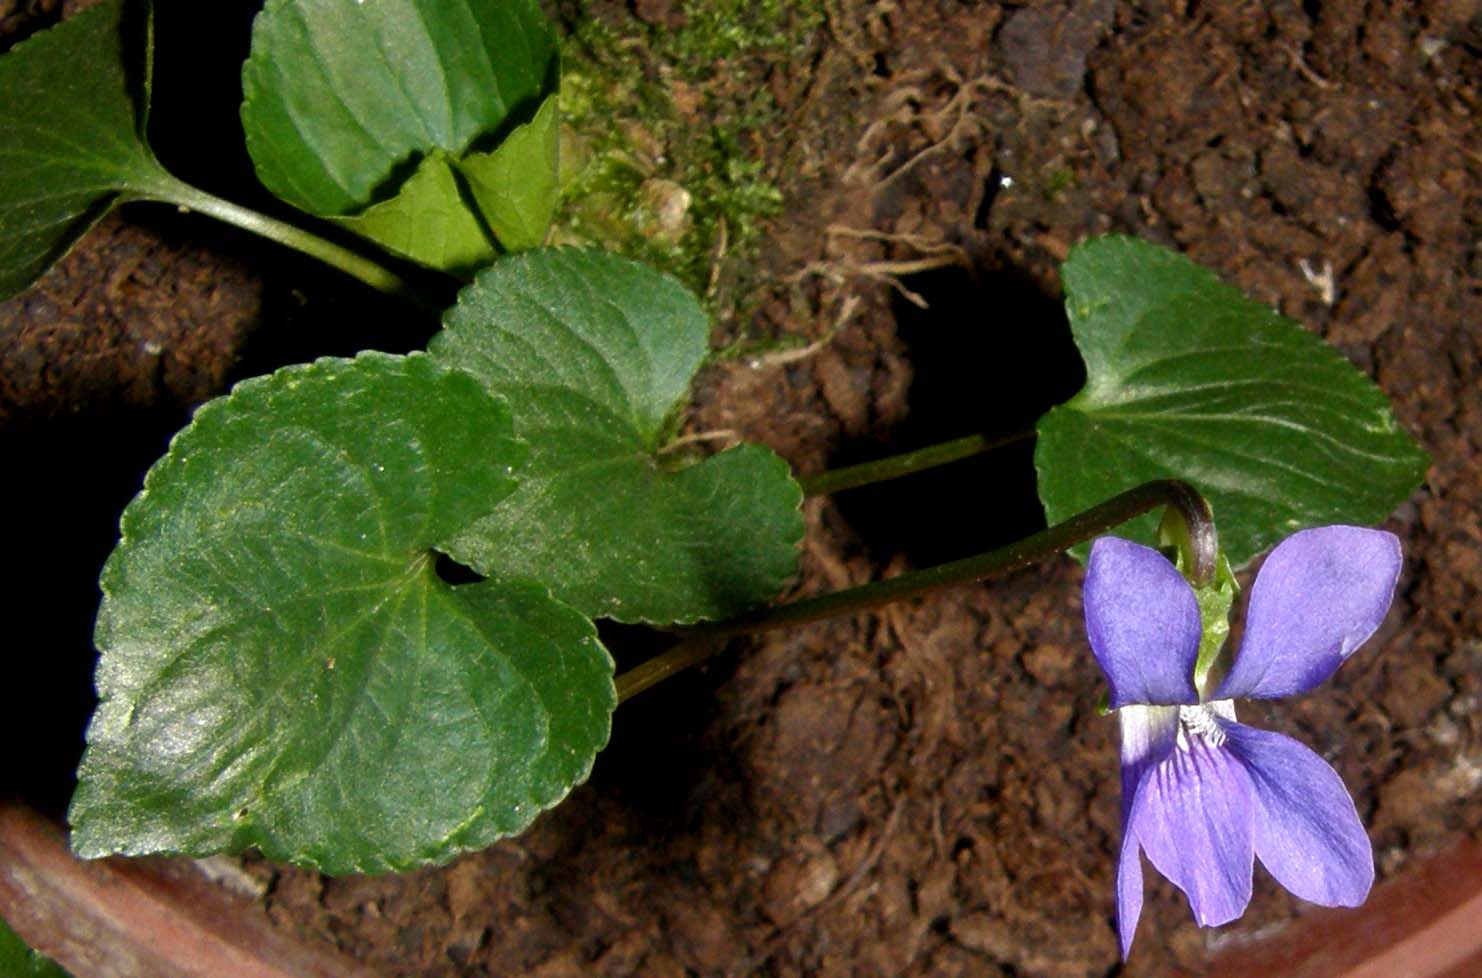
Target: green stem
650, 672
894, 466
700, 641
169, 190
1191, 529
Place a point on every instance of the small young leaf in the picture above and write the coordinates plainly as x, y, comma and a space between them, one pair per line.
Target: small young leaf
17, 960
73, 102
1186, 378
594, 354
515, 186
427, 221
340, 95
282, 667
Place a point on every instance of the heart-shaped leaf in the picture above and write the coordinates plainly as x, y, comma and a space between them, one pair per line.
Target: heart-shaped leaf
427, 221
347, 100
515, 185
73, 104
1186, 378
283, 668
595, 354
514, 188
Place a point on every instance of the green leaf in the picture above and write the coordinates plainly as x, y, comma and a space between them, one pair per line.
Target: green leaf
595, 354
513, 189
283, 668
17, 960
1188, 379
342, 97
515, 186
427, 221
73, 104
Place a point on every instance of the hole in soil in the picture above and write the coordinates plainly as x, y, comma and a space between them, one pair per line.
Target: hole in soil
1381, 210
991, 354
991, 189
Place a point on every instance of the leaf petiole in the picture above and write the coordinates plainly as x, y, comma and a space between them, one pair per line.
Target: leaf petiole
167, 189
698, 642
828, 482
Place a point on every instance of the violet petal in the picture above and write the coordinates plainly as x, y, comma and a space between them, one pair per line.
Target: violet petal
1143, 623
1307, 831
1318, 597
1149, 734
1129, 890
1194, 816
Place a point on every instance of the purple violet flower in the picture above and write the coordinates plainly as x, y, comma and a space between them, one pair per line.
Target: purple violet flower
1203, 795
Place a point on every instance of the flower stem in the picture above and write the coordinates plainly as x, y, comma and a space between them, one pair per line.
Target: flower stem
1190, 527
698, 642
894, 466
170, 190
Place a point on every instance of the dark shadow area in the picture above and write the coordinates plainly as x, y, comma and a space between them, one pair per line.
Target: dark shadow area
195, 124
657, 764
452, 573
67, 481
16, 25
991, 354
309, 310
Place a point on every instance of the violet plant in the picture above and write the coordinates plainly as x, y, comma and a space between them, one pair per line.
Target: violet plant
283, 667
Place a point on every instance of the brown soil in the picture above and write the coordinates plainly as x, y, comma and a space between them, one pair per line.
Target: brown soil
927, 791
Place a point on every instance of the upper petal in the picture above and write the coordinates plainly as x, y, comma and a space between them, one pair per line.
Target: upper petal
1143, 623
1194, 817
1320, 594
1307, 832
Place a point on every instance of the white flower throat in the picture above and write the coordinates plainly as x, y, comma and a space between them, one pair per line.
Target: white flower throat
1202, 721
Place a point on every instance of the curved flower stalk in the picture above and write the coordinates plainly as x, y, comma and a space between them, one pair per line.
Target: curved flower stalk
1204, 795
